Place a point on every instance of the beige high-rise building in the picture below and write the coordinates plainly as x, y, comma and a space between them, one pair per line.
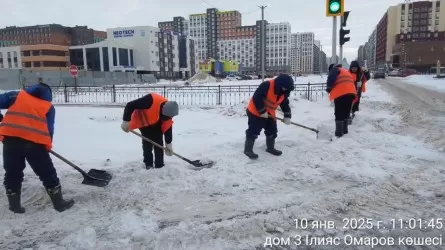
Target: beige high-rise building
412, 35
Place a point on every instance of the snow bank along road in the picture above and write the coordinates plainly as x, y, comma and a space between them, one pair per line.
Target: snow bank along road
377, 174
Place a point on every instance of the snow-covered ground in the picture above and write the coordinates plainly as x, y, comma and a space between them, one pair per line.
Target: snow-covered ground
375, 172
426, 81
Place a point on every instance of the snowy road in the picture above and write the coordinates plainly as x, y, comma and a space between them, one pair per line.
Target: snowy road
378, 172
422, 108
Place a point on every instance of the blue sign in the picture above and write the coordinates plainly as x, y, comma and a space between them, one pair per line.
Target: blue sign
123, 33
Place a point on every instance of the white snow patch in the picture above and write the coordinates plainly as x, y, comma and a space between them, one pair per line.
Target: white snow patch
426, 81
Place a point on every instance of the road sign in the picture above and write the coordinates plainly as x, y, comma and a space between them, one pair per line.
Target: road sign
73, 70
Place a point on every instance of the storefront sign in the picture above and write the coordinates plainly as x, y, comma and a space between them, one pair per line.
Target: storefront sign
123, 33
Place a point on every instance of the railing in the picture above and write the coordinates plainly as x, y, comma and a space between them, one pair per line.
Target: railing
184, 95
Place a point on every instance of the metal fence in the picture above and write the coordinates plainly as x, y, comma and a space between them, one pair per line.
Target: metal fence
184, 95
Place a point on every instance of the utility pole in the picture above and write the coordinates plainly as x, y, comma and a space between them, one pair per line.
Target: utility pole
263, 42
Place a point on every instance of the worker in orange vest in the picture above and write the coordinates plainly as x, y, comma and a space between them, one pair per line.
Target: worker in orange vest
152, 114
261, 113
341, 89
361, 77
26, 132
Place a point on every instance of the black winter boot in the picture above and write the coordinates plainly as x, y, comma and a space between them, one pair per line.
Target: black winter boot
148, 166
270, 143
248, 149
345, 126
57, 198
339, 128
14, 201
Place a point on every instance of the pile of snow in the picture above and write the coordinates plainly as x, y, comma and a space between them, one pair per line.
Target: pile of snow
372, 172
426, 81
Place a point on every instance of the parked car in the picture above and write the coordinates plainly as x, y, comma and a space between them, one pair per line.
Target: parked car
245, 77
233, 78
394, 73
380, 74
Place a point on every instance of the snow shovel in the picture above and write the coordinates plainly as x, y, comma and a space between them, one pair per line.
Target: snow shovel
323, 135
196, 163
94, 177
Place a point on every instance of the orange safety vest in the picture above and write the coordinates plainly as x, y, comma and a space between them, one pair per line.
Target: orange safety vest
146, 117
343, 85
271, 102
364, 81
26, 118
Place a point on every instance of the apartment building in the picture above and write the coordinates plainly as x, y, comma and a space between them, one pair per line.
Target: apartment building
306, 42
240, 50
47, 34
278, 48
409, 35
295, 54
361, 54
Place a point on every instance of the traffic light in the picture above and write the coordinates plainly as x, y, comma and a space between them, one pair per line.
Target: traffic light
344, 39
335, 7
344, 32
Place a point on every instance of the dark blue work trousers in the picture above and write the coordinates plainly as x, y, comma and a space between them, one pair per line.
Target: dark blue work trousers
18, 151
256, 124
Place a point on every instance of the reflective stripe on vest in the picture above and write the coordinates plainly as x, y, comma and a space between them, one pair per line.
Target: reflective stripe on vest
343, 85
12, 125
26, 119
271, 102
146, 117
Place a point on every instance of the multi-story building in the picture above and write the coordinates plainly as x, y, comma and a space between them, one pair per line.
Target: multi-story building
46, 34
317, 57
10, 58
99, 36
34, 57
324, 65
278, 47
240, 50
295, 54
409, 35
306, 41
179, 25
198, 30
144, 49
361, 54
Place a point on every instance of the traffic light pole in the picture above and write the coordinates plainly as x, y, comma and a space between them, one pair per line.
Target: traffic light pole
341, 54
334, 40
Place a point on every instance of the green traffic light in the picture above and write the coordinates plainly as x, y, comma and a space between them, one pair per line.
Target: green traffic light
334, 7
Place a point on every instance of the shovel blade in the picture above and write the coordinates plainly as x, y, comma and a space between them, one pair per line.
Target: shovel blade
323, 133
199, 164
97, 178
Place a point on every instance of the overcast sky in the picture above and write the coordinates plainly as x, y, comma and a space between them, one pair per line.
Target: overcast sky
303, 15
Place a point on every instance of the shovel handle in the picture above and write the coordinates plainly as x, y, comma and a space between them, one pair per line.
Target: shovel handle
299, 125
159, 146
68, 162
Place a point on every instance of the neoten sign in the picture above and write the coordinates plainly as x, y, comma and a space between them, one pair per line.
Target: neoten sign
123, 33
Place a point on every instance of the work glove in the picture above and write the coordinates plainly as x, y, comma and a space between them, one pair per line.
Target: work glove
286, 121
264, 115
365, 69
125, 126
169, 149
328, 90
